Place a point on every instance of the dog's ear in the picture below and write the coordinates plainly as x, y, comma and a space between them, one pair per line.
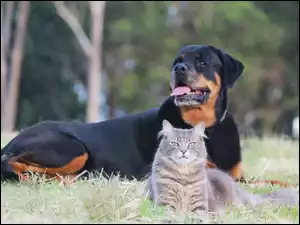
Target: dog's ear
232, 68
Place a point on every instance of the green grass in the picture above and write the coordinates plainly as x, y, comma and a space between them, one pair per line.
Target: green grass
99, 200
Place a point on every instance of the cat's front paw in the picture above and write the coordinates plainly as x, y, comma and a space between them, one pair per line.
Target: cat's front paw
200, 216
201, 212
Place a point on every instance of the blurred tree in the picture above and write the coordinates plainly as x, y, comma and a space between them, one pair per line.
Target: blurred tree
12, 95
6, 22
139, 43
53, 66
92, 49
289, 59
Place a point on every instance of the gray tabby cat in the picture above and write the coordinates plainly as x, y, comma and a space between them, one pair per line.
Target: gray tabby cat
179, 177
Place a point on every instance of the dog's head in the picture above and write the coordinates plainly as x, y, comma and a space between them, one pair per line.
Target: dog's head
200, 78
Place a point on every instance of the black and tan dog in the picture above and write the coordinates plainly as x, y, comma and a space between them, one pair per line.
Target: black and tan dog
200, 78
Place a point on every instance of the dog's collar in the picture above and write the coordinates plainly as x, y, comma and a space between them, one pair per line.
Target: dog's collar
223, 116
221, 105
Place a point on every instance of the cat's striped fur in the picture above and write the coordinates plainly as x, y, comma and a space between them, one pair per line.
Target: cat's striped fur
181, 188
178, 178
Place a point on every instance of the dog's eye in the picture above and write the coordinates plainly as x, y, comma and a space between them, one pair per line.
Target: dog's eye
191, 144
176, 62
200, 64
174, 143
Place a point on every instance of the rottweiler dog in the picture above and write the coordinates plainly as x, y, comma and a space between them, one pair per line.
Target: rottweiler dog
200, 78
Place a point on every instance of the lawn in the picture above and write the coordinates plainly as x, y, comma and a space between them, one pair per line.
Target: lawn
111, 201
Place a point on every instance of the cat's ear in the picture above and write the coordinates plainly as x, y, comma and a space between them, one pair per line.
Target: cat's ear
200, 128
167, 127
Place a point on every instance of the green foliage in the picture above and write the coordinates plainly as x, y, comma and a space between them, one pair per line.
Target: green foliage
145, 32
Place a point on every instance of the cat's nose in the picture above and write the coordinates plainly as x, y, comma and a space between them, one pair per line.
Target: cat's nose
183, 151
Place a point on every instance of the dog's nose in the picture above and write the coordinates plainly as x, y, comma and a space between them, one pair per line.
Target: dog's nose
180, 68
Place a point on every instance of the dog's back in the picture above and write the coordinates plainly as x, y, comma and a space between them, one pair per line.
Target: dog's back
119, 144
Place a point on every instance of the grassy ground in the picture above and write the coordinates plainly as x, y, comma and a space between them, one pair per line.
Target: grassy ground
99, 200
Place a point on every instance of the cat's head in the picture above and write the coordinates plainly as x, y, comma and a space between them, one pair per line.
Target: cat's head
183, 146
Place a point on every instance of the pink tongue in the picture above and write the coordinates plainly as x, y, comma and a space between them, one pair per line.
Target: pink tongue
181, 91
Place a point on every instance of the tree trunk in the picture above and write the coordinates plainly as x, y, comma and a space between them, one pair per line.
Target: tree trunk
92, 49
6, 18
111, 98
115, 70
17, 54
3, 72
3, 60
95, 70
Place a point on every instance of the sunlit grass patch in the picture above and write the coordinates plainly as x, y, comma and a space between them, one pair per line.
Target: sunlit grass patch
99, 200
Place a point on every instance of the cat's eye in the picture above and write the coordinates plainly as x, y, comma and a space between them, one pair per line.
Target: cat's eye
174, 143
191, 144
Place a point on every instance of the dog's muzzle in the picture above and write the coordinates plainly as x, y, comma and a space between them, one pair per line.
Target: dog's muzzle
183, 90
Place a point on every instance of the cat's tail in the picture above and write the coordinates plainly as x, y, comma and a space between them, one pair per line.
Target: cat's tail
269, 182
282, 196
287, 194
288, 197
